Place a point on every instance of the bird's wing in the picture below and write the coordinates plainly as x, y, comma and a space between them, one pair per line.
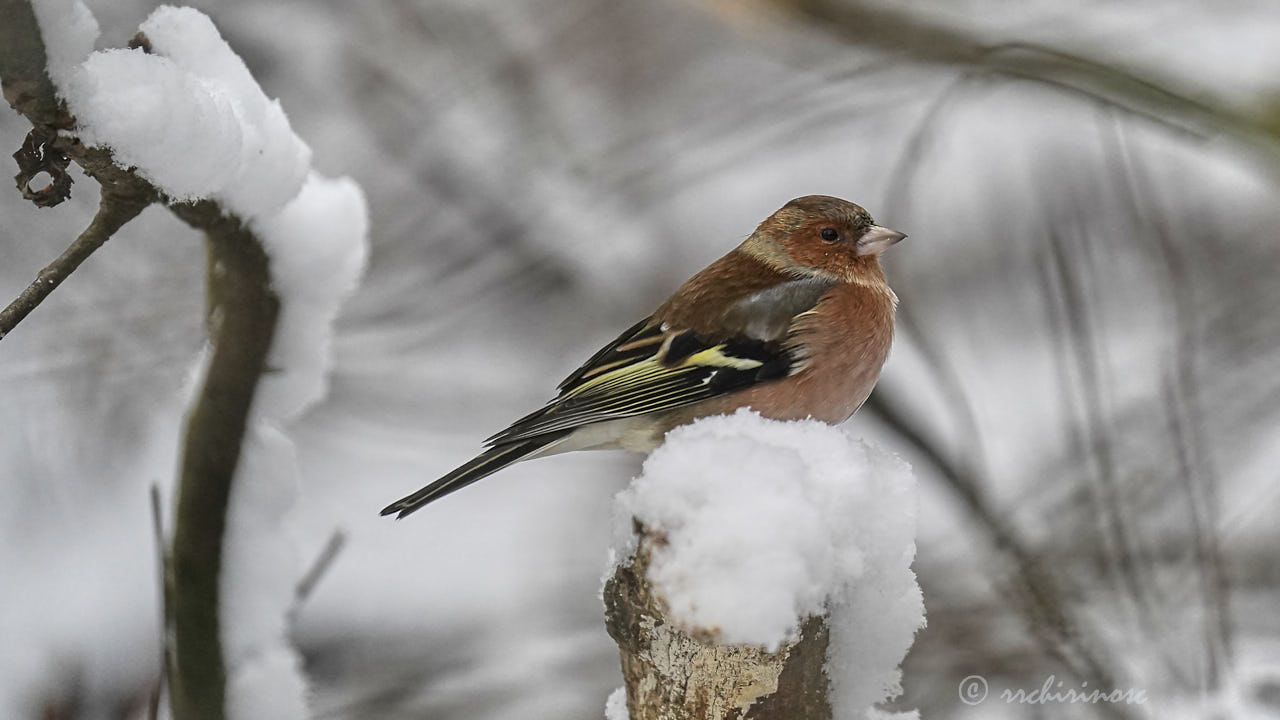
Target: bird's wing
653, 367
636, 341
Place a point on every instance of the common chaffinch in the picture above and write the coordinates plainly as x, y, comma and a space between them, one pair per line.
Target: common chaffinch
795, 322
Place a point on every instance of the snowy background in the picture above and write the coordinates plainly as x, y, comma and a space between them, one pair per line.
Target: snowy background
1087, 378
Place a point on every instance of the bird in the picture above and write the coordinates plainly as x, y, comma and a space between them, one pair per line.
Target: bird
795, 322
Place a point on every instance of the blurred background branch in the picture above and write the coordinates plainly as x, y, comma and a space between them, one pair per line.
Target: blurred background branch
916, 36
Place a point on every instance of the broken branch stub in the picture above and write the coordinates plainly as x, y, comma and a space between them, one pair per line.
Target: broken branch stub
672, 673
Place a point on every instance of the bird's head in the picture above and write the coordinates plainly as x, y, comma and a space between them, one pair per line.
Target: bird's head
820, 235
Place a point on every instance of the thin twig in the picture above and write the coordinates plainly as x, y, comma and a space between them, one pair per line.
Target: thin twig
1073, 304
1180, 393
319, 567
114, 210
162, 559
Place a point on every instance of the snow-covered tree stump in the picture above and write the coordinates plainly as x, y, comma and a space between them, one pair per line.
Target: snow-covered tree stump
764, 574
671, 674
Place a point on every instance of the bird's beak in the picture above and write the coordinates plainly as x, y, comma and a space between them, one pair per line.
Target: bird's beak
878, 239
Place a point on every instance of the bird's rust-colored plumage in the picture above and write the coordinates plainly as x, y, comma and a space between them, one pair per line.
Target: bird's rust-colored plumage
843, 341
700, 303
795, 322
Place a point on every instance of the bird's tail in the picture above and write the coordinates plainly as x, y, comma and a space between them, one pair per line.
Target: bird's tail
483, 465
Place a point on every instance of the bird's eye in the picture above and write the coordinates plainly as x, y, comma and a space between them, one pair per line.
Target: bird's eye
829, 234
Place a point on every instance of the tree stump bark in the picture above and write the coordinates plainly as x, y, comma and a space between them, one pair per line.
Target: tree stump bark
676, 674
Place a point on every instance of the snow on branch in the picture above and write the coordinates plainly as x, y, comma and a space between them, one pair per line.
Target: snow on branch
180, 118
782, 553
184, 110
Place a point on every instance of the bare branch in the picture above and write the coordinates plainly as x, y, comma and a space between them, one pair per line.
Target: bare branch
322, 563
162, 563
118, 206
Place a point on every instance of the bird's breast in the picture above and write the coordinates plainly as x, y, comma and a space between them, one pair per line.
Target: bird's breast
841, 344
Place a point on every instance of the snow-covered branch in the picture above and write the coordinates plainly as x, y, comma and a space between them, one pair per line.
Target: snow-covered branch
183, 120
766, 573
